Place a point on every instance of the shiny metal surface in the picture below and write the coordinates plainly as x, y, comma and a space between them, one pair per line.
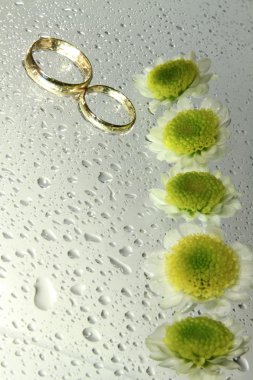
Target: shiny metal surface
76, 220
100, 123
67, 50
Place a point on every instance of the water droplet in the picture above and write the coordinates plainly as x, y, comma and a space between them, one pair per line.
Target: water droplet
74, 254
138, 242
121, 347
78, 289
126, 292
62, 128
45, 295
126, 251
91, 334
31, 327
119, 372
75, 362
7, 235
44, 182
105, 177
150, 371
58, 336
42, 373
86, 163
78, 272
116, 167
92, 319
69, 221
26, 202
129, 315
6, 258
242, 306
92, 237
130, 195
104, 314
128, 228
48, 235
243, 363
104, 300
125, 269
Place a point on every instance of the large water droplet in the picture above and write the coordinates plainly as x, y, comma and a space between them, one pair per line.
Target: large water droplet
126, 251
105, 177
45, 295
91, 334
125, 269
44, 182
78, 289
48, 235
74, 254
104, 300
243, 363
8, 235
92, 237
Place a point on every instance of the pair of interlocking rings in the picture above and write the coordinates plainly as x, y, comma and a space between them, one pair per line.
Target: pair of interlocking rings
81, 89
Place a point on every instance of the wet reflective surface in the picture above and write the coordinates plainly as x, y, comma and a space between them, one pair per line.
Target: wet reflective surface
76, 219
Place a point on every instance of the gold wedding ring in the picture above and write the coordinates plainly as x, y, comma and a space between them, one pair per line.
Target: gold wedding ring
61, 88
102, 124
67, 50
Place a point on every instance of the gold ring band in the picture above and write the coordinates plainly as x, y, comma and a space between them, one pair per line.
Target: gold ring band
102, 124
66, 49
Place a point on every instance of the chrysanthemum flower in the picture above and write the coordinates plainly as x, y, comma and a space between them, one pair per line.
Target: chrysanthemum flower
196, 194
186, 134
200, 347
180, 76
198, 267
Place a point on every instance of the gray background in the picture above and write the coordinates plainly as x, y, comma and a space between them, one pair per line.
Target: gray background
45, 136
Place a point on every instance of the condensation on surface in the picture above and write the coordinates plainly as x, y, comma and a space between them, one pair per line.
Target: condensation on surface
76, 221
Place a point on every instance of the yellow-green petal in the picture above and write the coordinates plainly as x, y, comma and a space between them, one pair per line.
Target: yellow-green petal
191, 131
202, 266
199, 339
195, 191
172, 78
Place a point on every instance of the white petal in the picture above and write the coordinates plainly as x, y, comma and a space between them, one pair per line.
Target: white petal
184, 104
223, 308
191, 56
157, 196
166, 117
141, 85
216, 231
245, 251
205, 78
200, 90
158, 334
209, 102
159, 61
154, 262
164, 179
189, 228
171, 238
196, 81
204, 64
177, 364
153, 106
156, 134
171, 301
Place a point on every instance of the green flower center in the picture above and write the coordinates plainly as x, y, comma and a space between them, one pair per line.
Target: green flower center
172, 78
191, 131
195, 191
199, 339
202, 266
